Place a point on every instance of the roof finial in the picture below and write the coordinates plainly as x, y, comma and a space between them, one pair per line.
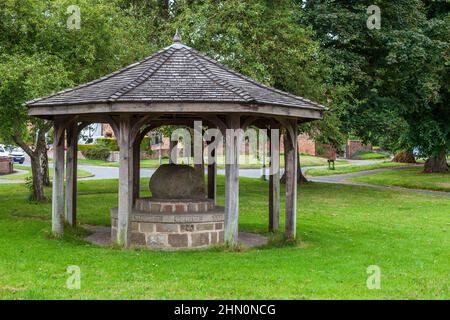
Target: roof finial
177, 37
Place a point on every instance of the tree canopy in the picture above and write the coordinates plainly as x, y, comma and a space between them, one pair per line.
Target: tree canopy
396, 76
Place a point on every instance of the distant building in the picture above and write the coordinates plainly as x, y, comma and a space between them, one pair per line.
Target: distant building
91, 133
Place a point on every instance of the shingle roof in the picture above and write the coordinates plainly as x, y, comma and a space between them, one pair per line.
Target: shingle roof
177, 73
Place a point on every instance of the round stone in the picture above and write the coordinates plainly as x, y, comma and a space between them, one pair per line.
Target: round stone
174, 181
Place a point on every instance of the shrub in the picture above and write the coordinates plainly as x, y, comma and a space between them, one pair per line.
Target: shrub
98, 152
85, 147
110, 143
145, 144
404, 157
319, 150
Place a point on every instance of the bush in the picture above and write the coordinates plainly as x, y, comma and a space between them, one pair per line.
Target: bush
85, 147
110, 143
404, 157
319, 150
98, 152
145, 144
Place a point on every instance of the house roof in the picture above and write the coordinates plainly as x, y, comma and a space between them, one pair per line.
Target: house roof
176, 73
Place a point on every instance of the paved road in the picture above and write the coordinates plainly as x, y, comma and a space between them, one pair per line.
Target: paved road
113, 173
342, 179
100, 173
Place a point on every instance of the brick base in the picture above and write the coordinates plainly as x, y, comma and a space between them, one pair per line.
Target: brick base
171, 230
172, 206
6, 165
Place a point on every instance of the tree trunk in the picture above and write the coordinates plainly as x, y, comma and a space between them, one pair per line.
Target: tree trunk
437, 163
41, 150
37, 161
300, 177
38, 180
44, 168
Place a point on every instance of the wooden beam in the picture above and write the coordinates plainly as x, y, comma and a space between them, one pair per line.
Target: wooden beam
173, 151
58, 179
137, 125
125, 181
136, 167
274, 179
71, 173
233, 139
212, 174
248, 122
133, 108
290, 152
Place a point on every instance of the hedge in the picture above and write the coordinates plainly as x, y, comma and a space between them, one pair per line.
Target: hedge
84, 147
110, 143
98, 152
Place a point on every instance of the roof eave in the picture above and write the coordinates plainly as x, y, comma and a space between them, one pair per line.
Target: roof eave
174, 107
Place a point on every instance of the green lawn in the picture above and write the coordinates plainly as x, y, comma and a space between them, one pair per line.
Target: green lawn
23, 176
409, 178
369, 155
353, 168
245, 162
342, 231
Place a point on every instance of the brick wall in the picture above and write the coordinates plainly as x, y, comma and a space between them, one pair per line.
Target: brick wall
306, 144
6, 165
354, 146
325, 151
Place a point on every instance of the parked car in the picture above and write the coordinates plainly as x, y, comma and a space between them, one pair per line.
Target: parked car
3, 152
18, 155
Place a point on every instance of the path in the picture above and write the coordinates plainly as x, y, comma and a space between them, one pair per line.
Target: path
342, 179
100, 172
113, 173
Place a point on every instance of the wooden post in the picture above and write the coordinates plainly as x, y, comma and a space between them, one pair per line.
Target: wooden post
160, 149
274, 180
198, 148
233, 140
212, 175
125, 182
136, 167
173, 145
71, 174
290, 152
58, 179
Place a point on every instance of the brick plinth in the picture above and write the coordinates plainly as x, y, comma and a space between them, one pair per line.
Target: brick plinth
172, 206
6, 166
169, 230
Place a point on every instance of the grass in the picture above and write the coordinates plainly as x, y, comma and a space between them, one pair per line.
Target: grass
353, 168
409, 178
369, 155
23, 176
245, 162
342, 231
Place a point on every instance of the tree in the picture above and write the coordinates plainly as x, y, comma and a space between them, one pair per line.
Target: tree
40, 55
397, 75
261, 39
22, 78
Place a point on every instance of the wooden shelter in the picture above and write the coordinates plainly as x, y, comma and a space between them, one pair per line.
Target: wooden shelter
174, 86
